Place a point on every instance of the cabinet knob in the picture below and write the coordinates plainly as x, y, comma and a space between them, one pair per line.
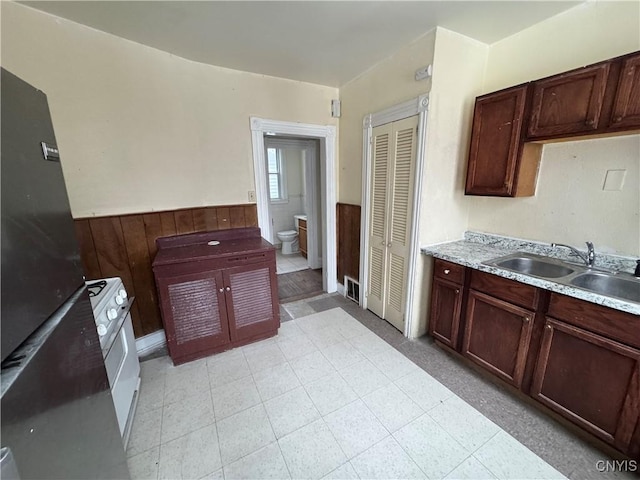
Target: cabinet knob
447, 271
222, 290
457, 291
228, 289
590, 122
389, 244
617, 119
549, 326
527, 319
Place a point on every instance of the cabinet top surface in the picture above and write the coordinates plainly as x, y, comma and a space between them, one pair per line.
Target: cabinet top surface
473, 253
209, 245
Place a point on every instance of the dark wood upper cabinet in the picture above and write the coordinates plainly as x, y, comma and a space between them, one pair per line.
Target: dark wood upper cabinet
510, 126
626, 105
569, 103
495, 142
593, 381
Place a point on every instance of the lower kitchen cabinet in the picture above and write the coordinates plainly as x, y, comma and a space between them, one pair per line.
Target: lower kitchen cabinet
497, 336
213, 299
446, 302
579, 359
446, 308
589, 379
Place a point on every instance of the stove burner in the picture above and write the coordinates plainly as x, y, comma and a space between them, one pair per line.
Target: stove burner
96, 288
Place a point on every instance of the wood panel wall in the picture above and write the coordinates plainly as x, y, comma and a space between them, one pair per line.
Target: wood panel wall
124, 246
348, 218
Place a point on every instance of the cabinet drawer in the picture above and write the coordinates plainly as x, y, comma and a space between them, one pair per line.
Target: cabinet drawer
452, 272
505, 289
244, 259
614, 324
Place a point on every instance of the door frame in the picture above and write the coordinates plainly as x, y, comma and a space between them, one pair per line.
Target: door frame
416, 106
327, 136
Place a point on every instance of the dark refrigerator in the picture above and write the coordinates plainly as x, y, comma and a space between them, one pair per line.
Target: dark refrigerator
57, 415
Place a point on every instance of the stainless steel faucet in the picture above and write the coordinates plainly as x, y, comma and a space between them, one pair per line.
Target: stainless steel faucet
588, 259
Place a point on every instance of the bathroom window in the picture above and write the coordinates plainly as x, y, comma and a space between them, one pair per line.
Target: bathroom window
277, 179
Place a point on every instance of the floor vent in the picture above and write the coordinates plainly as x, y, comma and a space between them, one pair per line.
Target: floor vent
352, 289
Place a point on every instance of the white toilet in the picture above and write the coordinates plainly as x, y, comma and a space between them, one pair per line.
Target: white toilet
289, 239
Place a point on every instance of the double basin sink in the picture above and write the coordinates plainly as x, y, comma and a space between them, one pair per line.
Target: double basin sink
619, 285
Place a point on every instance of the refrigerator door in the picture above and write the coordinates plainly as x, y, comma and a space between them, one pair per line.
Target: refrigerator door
41, 264
57, 415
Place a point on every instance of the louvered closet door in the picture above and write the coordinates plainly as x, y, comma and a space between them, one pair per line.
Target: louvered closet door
393, 164
194, 312
252, 303
399, 218
381, 149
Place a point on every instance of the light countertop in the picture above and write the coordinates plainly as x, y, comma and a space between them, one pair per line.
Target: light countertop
478, 248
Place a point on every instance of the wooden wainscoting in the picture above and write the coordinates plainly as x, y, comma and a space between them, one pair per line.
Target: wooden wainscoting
124, 246
348, 219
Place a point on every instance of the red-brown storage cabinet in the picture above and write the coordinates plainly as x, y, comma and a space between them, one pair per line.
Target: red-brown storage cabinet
217, 290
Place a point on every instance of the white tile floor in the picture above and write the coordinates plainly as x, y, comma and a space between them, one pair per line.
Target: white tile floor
326, 398
290, 263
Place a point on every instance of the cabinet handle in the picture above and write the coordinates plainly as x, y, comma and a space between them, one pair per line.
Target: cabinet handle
447, 271
228, 289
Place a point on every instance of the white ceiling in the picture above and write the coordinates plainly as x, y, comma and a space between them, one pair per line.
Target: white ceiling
324, 42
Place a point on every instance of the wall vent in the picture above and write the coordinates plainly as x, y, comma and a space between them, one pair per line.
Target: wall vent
352, 289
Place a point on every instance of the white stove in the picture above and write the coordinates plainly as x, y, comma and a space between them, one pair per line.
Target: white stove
111, 306
109, 299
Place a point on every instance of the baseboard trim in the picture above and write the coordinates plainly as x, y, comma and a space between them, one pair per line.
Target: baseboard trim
151, 342
340, 288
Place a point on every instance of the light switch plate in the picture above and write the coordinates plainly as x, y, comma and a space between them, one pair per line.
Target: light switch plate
614, 180
252, 196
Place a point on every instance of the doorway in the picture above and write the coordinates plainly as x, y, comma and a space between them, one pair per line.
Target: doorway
324, 136
294, 201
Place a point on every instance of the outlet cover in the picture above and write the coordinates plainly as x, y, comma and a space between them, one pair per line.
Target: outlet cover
252, 196
614, 180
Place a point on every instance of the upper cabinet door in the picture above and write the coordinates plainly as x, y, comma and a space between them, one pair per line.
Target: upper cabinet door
495, 142
569, 103
626, 106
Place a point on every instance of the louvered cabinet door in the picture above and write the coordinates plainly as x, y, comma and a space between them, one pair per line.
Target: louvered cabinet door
399, 218
252, 300
194, 313
381, 148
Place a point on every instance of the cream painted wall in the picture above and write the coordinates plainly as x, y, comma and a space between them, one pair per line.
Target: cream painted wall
576, 209
570, 205
458, 69
458, 66
140, 129
384, 85
593, 31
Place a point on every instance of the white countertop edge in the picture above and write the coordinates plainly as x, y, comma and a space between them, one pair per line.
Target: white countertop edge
471, 254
